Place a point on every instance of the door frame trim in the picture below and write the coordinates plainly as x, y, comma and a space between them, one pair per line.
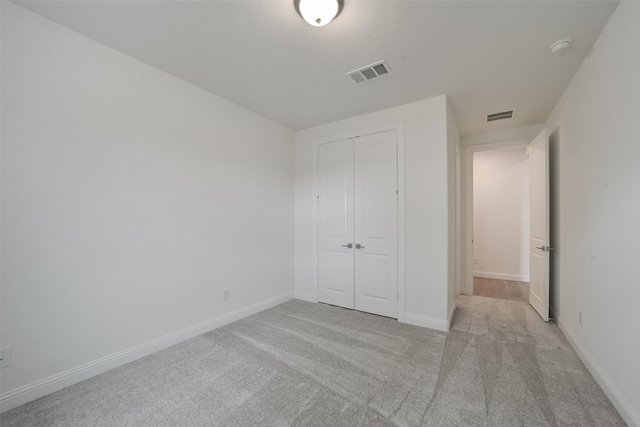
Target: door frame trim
399, 128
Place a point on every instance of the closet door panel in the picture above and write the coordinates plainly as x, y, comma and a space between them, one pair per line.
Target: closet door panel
376, 219
335, 224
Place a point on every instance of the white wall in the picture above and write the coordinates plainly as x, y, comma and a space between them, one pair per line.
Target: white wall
426, 205
501, 214
454, 248
130, 201
595, 139
501, 136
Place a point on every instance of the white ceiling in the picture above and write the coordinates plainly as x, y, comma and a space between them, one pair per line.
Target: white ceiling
488, 56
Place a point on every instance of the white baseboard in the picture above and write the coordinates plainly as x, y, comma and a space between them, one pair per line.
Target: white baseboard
305, 296
21, 395
617, 399
501, 276
427, 322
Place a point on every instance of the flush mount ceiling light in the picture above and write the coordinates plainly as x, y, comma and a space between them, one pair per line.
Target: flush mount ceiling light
318, 12
560, 46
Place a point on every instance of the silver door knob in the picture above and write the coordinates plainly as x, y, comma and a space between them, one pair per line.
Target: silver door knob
348, 245
541, 248
359, 246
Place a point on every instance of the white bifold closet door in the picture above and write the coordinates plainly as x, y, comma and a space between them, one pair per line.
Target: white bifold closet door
358, 223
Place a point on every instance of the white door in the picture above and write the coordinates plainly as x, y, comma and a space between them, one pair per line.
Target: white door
357, 214
539, 238
376, 224
335, 223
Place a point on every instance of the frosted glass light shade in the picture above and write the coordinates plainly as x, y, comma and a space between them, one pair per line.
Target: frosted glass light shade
318, 12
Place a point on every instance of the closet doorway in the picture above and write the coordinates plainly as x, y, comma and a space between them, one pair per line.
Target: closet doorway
358, 223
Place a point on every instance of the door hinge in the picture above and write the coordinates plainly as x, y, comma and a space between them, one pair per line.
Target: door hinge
397, 195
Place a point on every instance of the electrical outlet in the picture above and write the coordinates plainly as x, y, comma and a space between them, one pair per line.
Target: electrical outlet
5, 357
225, 295
475, 260
580, 317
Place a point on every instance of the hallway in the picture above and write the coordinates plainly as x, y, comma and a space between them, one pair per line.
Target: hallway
503, 289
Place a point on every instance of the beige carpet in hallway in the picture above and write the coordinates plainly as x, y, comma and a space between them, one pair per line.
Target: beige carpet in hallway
503, 289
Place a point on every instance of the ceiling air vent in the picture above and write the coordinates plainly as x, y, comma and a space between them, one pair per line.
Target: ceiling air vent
500, 116
370, 72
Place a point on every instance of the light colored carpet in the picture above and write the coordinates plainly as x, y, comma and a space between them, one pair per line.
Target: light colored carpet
504, 289
304, 364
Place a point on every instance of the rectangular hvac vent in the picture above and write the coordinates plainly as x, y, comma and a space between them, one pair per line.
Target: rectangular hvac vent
370, 72
500, 116
381, 69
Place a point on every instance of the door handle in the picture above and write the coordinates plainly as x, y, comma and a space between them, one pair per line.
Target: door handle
541, 248
348, 245
359, 246
546, 248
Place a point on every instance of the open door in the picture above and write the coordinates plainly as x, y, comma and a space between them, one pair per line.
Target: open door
539, 237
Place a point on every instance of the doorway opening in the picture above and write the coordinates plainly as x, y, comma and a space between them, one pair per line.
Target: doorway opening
539, 217
501, 223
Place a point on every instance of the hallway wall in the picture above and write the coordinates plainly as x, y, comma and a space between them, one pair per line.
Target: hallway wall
594, 133
501, 214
